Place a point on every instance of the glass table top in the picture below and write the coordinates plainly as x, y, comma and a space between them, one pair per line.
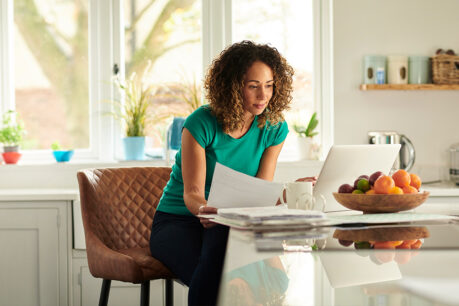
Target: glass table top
377, 265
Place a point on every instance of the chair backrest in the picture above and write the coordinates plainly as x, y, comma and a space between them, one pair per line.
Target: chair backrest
118, 204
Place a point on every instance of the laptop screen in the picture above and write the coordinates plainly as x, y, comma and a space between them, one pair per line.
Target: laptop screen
345, 163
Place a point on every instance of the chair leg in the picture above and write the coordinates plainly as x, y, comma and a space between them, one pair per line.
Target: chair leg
104, 292
169, 292
145, 293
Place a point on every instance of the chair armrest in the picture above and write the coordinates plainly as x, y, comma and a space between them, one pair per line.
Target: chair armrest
110, 264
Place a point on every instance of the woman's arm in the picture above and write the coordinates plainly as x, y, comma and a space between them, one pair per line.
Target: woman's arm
268, 162
193, 172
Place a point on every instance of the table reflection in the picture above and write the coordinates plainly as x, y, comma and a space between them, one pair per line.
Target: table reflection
403, 265
259, 283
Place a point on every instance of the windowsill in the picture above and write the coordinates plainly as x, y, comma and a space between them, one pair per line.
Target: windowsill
46, 174
108, 163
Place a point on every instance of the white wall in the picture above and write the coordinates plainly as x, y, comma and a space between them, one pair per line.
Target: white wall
405, 27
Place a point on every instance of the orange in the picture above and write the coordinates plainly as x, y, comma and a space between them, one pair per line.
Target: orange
401, 178
417, 244
407, 244
409, 189
387, 244
371, 191
384, 184
415, 181
396, 190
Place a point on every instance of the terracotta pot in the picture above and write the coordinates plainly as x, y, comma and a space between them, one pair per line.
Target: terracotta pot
11, 157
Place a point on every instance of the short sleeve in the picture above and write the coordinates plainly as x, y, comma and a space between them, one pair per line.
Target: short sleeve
277, 134
202, 125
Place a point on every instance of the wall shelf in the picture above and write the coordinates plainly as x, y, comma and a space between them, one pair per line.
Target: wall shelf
408, 87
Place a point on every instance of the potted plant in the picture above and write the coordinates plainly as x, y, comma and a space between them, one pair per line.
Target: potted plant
60, 154
306, 146
133, 113
11, 133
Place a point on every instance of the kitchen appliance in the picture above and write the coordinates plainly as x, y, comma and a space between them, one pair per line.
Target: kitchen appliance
454, 166
406, 156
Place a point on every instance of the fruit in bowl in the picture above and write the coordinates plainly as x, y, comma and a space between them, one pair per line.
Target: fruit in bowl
377, 243
382, 193
401, 182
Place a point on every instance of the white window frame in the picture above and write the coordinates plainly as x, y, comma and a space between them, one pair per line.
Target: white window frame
106, 47
101, 55
217, 34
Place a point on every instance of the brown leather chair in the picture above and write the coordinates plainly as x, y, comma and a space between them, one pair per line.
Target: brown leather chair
118, 205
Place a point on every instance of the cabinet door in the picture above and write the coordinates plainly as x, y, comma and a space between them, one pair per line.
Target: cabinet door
86, 291
29, 256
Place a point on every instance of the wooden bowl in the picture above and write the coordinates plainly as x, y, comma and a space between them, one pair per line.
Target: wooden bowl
382, 234
381, 203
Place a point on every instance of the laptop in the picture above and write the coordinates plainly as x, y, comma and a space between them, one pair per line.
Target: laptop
345, 163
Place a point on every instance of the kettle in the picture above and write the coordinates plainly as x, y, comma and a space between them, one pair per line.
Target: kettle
406, 157
454, 165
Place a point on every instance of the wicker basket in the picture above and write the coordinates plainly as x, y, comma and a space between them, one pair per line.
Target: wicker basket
445, 69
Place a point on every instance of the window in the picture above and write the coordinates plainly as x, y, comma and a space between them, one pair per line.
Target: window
57, 71
163, 45
288, 26
51, 91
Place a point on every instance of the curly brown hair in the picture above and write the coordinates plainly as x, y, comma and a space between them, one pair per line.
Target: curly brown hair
225, 80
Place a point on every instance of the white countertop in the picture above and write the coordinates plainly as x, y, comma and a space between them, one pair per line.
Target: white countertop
41, 194
442, 189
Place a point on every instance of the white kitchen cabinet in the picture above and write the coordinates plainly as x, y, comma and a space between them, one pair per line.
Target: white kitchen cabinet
86, 288
34, 253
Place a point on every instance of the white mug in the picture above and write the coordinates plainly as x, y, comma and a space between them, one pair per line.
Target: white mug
298, 195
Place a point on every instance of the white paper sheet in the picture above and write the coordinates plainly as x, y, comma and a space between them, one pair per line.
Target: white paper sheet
231, 188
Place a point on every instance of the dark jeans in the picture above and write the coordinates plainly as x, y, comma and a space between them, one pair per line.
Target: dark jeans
194, 254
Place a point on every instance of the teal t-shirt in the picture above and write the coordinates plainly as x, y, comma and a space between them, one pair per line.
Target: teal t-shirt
243, 154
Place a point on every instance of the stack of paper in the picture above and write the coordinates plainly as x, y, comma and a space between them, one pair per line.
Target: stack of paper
262, 214
266, 217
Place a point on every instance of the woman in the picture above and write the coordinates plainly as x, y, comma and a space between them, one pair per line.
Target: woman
248, 86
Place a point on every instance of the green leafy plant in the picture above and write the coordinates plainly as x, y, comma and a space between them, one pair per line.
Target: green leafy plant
133, 112
308, 131
56, 146
12, 130
186, 92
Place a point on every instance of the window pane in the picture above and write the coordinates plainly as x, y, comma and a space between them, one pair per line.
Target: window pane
51, 71
167, 36
288, 26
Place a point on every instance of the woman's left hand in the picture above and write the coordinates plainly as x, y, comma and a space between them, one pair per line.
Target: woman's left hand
312, 179
207, 210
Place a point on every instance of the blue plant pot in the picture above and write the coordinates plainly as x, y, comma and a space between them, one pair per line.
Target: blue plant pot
134, 148
63, 156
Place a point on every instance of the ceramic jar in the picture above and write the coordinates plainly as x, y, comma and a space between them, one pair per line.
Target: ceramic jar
374, 69
397, 69
419, 69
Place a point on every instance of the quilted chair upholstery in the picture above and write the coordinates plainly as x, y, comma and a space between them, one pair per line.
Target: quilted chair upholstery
118, 205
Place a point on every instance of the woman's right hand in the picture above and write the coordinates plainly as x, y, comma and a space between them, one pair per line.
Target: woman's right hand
207, 210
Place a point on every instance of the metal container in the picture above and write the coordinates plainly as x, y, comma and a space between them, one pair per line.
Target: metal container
454, 165
406, 157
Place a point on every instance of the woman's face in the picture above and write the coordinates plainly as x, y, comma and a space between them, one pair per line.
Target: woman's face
258, 88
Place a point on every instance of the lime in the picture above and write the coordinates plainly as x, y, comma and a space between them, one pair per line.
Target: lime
357, 191
363, 184
359, 245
